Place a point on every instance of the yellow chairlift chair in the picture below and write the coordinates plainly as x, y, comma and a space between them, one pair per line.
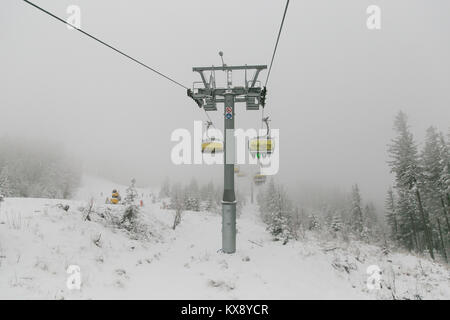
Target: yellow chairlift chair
241, 174
211, 144
262, 146
259, 179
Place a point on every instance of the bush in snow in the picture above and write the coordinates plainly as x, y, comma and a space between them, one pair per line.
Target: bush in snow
336, 223
191, 204
313, 222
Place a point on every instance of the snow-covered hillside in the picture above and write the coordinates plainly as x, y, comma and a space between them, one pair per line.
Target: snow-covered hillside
39, 240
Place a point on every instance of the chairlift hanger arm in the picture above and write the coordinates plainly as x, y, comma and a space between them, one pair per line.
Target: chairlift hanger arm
255, 77
206, 84
266, 121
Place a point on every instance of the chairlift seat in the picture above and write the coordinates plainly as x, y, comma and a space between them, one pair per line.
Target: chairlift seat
252, 103
259, 179
212, 146
261, 145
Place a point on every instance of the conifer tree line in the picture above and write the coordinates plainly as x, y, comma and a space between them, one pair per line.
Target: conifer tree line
349, 218
194, 196
33, 168
418, 204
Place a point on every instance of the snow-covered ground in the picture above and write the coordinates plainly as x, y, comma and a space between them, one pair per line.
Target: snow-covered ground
39, 240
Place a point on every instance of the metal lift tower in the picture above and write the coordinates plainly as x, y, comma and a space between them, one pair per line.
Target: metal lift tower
207, 96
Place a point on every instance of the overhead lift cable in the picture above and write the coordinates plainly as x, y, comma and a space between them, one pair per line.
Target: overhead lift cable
276, 44
107, 45
111, 47
271, 62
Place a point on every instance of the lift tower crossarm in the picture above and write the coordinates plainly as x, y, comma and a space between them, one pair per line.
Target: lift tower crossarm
225, 68
200, 70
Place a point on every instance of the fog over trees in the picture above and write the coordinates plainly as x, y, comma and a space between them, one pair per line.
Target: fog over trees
36, 168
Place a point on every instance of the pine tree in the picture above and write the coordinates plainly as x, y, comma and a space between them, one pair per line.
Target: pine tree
444, 181
336, 223
177, 203
433, 166
131, 193
130, 202
193, 189
314, 223
370, 215
191, 204
205, 192
385, 248
6, 189
192, 201
370, 221
297, 222
329, 214
356, 211
209, 206
267, 201
280, 215
405, 165
165, 189
407, 220
391, 215
277, 211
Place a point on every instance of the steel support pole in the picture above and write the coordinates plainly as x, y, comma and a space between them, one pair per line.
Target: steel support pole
229, 197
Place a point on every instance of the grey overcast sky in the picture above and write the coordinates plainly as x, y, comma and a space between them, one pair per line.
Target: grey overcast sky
334, 90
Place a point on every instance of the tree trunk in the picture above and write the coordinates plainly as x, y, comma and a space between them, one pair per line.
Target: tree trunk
395, 225
361, 219
444, 250
415, 242
394, 215
177, 219
445, 211
426, 226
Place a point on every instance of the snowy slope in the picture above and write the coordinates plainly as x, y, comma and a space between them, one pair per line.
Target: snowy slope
38, 241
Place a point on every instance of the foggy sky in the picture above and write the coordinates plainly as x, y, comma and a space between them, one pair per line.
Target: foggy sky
334, 90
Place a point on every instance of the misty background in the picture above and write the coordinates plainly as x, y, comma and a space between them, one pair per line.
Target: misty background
334, 89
